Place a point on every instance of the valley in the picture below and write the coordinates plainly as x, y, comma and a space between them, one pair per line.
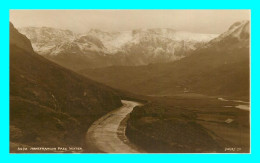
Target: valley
139, 91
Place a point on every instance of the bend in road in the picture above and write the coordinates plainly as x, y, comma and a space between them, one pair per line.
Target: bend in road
107, 134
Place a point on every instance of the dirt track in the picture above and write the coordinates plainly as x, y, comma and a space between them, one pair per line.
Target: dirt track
107, 133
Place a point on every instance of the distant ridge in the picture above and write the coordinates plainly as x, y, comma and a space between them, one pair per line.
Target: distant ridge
97, 48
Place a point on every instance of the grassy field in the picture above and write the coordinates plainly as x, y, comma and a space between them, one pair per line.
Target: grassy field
190, 124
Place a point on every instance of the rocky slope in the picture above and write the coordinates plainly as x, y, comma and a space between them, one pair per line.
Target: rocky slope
97, 48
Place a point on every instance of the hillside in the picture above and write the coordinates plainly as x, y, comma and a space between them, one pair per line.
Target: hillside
220, 68
49, 105
182, 124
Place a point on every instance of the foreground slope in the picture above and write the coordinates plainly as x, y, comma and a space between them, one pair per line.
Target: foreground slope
219, 68
50, 106
180, 124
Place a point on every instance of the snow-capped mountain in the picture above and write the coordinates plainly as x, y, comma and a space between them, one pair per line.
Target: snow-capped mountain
237, 33
135, 47
221, 67
45, 39
120, 41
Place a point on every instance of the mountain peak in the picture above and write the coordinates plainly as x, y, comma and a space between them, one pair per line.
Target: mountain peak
19, 39
238, 32
95, 30
238, 23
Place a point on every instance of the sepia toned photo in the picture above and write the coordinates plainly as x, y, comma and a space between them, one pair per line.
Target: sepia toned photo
129, 81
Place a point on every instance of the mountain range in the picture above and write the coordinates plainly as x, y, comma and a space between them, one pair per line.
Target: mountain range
219, 68
97, 48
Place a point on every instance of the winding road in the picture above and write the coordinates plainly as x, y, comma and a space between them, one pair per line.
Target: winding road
107, 134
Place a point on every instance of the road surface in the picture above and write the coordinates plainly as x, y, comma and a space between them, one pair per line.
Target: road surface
107, 134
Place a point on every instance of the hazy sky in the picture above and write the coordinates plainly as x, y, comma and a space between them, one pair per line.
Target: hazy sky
202, 21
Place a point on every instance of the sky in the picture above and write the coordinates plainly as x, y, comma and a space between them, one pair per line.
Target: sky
80, 21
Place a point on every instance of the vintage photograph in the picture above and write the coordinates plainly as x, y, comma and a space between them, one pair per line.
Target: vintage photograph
129, 81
